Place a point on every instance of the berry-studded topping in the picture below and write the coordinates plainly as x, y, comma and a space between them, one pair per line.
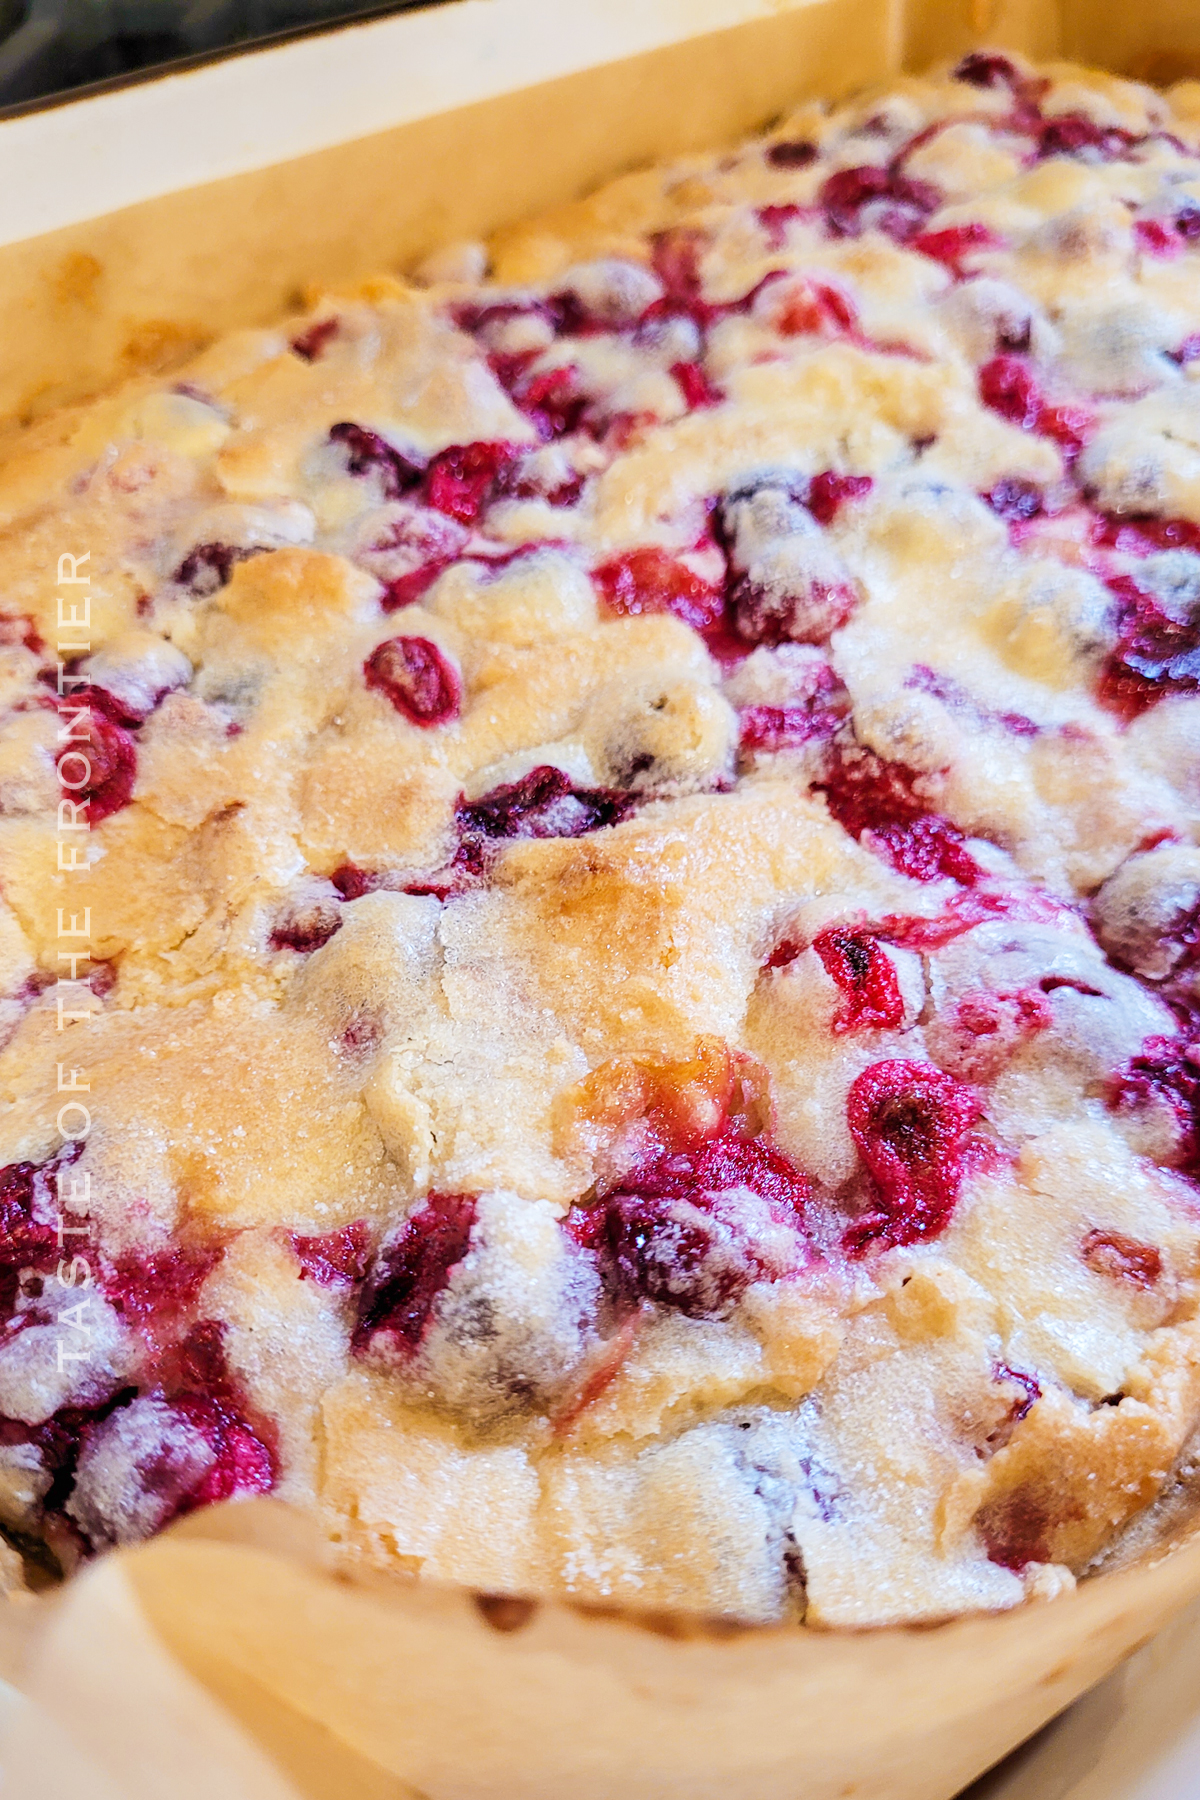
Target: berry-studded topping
811, 715
207, 568
866, 976
880, 802
652, 581
369, 454
698, 391
28, 1231
984, 69
417, 678
155, 1288
792, 153
1016, 499
1155, 654
98, 762
463, 480
693, 1229
877, 199
911, 1125
955, 243
1165, 1077
1070, 133
1122, 1258
307, 926
1008, 386
693, 1202
787, 583
336, 1258
398, 1298
543, 804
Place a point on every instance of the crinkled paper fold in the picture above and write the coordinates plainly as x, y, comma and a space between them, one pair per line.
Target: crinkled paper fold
227, 1658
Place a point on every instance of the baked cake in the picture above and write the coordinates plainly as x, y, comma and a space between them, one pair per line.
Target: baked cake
601, 886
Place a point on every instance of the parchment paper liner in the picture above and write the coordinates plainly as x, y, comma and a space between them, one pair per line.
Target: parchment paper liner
229, 1646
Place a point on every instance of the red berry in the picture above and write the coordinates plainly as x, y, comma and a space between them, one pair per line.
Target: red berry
367, 453
911, 1126
336, 1257
651, 580
797, 153
98, 762
542, 804
418, 680
828, 492
462, 480
397, 1302
866, 976
308, 345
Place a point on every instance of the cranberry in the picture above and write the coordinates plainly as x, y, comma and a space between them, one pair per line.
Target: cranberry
771, 728
157, 1285
309, 345
828, 492
1154, 655
775, 220
856, 199
336, 1257
1138, 534
98, 762
1017, 499
669, 1233
867, 795
698, 391
866, 976
414, 675
542, 804
211, 1400
954, 243
28, 1232
1122, 1258
1007, 385
675, 259
1155, 237
807, 614
796, 153
1187, 221
463, 479
554, 400
1164, 1074
962, 913
397, 1302
1015, 1529
911, 1125
651, 580
207, 568
984, 69
308, 929
369, 454
1072, 132
18, 628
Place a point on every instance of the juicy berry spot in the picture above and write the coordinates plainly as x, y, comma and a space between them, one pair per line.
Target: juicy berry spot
879, 800
156, 1287
1154, 655
651, 580
911, 1125
983, 69
98, 763
397, 1301
462, 480
335, 1258
1016, 499
795, 153
369, 454
828, 492
418, 680
866, 977
542, 804
1165, 1074
855, 200
206, 569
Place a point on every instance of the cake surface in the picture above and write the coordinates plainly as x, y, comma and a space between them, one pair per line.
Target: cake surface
600, 870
